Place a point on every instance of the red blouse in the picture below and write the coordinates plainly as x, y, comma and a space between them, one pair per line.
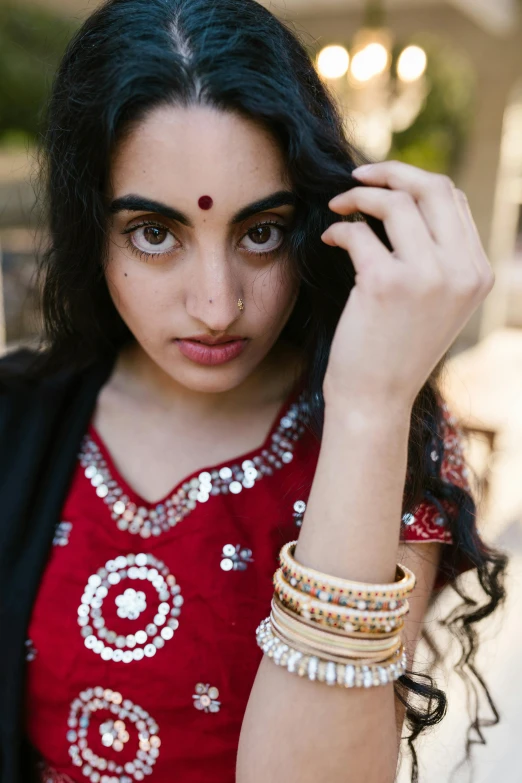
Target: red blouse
142, 642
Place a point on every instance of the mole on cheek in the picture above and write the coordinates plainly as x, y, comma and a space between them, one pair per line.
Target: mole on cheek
205, 202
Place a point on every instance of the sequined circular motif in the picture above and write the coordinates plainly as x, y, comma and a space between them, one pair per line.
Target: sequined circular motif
138, 643
140, 730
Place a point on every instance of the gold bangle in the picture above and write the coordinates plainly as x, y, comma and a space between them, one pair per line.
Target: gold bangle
296, 642
321, 645
331, 636
359, 635
332, 589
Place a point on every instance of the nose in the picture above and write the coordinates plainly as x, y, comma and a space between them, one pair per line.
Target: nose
213, 292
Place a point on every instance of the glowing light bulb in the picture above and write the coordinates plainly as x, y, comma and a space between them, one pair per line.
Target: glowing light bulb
369, 62
411, 64
333, 62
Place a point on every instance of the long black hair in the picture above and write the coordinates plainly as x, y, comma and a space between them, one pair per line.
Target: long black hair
132, 56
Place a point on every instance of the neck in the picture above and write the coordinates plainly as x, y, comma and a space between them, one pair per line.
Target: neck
137, 374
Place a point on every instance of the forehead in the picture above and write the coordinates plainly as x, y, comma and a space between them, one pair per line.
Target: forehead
181, 153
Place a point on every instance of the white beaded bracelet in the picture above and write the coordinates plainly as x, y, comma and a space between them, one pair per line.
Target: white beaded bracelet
315, 668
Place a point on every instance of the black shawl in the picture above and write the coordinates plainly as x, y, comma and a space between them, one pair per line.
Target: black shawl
42, 422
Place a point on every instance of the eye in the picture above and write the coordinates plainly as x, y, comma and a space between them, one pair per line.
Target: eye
263, 238
150, 239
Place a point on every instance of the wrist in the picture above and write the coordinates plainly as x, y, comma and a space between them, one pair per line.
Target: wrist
366, 413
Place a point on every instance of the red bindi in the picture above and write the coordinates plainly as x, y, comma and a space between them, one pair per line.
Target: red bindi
205, 202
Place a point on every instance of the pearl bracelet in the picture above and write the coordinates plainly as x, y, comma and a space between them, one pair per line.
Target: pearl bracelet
324, 670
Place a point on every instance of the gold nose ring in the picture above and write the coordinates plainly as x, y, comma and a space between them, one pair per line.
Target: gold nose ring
240, 304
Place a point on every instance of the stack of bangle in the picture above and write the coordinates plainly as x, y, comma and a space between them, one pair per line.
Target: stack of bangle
335, 630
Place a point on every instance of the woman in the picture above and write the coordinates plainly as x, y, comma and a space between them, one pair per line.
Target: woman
207, 294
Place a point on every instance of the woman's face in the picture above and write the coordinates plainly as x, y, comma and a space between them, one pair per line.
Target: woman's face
189, 237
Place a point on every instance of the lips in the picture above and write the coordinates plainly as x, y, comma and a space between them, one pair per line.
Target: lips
206, 340
208, 354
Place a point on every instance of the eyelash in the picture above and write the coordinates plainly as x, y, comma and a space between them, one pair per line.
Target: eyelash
143, 254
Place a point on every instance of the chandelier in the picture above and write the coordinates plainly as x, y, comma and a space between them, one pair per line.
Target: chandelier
380, 87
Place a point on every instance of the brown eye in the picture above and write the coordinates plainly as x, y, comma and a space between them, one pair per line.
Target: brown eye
152, 239
260, 235
154, 235
265, 237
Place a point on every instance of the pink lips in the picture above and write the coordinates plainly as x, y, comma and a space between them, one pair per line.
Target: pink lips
211, 354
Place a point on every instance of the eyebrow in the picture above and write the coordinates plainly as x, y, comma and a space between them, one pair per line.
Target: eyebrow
135, 203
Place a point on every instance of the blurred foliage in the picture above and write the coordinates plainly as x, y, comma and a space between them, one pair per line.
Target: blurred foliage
437, 138
32, 41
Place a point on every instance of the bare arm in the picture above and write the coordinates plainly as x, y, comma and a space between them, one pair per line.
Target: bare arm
401, 317
313, 733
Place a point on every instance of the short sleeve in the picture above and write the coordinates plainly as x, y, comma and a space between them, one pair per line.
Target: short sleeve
428, 522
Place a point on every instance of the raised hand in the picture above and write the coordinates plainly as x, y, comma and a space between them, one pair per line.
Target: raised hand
407, 306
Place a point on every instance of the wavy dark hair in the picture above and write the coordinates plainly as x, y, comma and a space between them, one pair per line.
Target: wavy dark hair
133, 56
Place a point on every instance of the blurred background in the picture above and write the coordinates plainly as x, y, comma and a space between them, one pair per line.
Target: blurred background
436, 83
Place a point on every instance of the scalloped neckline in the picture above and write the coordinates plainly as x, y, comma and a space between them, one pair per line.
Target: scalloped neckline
140, 501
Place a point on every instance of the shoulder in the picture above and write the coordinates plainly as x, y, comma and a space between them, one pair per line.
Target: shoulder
22, 369
23, 379
32, 389
16, 368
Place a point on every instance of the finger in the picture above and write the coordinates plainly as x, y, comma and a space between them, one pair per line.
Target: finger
432, 192
479, 256
360, 242
402, 219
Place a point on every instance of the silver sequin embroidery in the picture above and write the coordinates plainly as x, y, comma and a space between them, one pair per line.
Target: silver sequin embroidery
114, 734
235, 558
124, 722
138, 643
30, 650
152, 521
299, 509
205, 698
62, 533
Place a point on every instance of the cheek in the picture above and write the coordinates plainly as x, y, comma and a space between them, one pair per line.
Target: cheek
136, 296
274, 291
129, 283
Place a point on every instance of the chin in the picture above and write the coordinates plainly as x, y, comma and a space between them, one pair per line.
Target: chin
211, 380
